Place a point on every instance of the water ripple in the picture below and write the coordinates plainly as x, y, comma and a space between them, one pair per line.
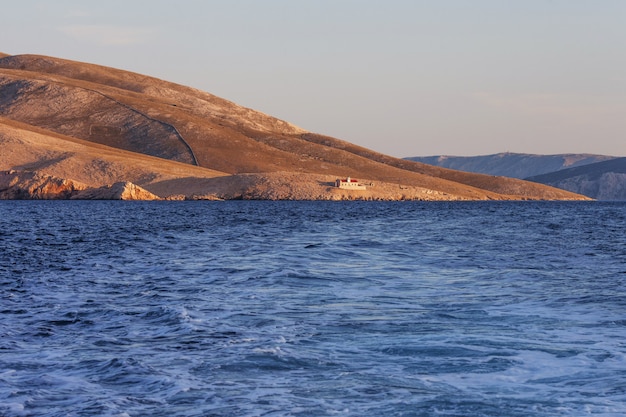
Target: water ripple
312, 309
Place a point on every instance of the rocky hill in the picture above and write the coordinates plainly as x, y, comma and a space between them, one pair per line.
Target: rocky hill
99, 126
514, 165
602, 180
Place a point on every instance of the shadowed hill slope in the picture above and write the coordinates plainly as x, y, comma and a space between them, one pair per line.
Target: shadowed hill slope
603, 180
110, 113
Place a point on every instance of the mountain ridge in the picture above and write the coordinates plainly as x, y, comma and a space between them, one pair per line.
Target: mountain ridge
132, 114
509, 164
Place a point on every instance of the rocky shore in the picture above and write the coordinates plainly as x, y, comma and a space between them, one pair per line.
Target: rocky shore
22, 185
297, 186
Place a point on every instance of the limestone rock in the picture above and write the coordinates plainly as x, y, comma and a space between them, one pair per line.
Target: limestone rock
26, 185
118, 191
21, 185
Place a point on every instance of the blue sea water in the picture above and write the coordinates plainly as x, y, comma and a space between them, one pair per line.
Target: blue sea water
255, 308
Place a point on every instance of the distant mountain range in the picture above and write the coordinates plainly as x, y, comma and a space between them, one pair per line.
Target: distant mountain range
514, 165
74, 130
600, 177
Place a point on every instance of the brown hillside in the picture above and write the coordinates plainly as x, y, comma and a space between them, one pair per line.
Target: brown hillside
28, 148
116, 115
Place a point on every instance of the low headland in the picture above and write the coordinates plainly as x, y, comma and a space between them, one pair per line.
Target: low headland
72, 130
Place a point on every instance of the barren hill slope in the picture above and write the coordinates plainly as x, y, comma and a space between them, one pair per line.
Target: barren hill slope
28, 148
105, 111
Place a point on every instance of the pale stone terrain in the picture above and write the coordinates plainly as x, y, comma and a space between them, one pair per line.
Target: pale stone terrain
99, 126
295, 186
23, 185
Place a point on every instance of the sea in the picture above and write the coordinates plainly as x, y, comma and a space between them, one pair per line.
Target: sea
261, 308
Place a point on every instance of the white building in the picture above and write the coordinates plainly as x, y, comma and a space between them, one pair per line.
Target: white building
349, 184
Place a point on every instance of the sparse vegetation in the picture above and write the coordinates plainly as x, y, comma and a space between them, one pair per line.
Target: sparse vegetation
99, 126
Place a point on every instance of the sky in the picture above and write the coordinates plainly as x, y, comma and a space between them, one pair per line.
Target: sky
402, 77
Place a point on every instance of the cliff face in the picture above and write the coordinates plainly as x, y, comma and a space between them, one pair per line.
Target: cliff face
99, 126
610, 186
602, 181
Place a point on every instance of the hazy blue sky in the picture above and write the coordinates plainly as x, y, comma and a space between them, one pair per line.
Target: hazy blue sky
403, 77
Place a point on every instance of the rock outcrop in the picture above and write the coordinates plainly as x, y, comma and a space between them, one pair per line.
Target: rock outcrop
118, 191
23, 185
16, 185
